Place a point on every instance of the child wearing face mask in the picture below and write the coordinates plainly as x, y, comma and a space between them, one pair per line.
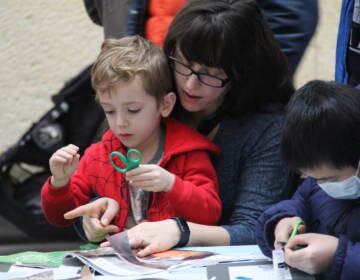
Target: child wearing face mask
321, 139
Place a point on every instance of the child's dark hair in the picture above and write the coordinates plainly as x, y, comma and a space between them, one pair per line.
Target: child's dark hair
322, 126
234, 36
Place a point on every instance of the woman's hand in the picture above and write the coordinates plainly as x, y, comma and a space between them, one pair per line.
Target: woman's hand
151, 177
97, 216
316, 257
283, 230
63, 164
152, 237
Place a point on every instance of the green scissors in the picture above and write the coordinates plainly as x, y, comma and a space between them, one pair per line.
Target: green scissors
127, 160
294, 232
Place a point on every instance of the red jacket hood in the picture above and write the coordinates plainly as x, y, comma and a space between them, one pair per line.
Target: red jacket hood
179, 138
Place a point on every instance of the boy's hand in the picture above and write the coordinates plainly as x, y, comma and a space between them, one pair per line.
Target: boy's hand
97, 216
316, 257
283, 230
63, 164
151, 177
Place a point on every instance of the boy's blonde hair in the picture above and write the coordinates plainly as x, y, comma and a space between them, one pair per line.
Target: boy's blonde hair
121, 60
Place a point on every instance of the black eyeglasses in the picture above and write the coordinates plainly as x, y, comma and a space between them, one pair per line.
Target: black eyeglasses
204, 78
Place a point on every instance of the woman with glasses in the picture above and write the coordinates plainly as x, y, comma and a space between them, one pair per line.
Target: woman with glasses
232, 81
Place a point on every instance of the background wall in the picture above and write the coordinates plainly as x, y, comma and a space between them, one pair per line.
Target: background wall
45, 43
319, 59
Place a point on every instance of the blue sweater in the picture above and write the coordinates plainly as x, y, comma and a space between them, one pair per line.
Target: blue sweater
251, 174
321, 214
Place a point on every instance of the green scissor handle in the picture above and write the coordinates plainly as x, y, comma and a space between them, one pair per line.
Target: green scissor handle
128, 161
295, 231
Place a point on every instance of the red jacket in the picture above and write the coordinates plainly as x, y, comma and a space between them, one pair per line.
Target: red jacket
193, 196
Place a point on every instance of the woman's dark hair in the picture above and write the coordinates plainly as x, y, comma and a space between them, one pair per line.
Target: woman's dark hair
322, 126
233, 35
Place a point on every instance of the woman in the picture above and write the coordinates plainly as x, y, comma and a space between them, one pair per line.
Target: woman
232, 81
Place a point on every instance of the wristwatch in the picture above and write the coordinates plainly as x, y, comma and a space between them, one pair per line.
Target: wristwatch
184, 231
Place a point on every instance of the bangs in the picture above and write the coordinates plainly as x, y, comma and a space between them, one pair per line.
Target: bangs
200, 34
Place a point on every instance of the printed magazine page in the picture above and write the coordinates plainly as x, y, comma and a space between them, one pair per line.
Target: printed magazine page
120, 259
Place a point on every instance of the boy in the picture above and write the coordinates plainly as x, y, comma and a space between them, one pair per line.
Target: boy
321, 139
133, 85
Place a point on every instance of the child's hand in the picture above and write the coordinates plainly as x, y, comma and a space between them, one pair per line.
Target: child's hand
97, 216
151, 177
283, 230
63, 164
316, 257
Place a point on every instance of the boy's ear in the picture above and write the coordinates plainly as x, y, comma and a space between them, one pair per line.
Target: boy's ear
167, 104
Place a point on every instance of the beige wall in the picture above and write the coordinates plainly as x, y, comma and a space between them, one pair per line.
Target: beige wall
319, 59
44, 43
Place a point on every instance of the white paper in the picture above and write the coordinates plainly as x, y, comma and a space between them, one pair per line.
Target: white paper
255, 272
23, 272
67, 272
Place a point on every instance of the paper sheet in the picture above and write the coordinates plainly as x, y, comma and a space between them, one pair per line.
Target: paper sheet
255, 272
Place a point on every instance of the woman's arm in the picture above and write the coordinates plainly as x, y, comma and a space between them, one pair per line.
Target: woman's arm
160, 236
251, 174
201, 235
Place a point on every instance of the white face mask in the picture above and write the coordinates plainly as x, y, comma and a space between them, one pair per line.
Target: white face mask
347, 189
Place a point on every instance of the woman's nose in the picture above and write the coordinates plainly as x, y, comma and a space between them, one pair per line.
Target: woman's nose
192, 81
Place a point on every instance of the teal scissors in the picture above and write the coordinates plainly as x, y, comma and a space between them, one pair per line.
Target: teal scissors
127, 160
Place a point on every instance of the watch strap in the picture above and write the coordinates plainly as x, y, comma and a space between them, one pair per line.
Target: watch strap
184, 231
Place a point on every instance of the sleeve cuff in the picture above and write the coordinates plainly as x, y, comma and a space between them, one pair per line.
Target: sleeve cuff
58, 190
338, 261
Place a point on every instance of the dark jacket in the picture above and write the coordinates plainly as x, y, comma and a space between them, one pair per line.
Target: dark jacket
321, 214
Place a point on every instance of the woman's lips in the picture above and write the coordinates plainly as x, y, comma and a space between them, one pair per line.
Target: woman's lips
190, 98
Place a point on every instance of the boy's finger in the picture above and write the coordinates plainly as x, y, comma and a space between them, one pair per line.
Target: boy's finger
143, 168
75, 160
135, 172
64, 154
112, 208
301, 229
283, 235
73, 147
297, 240
84, 210
111, 229
279, 245
58, 159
